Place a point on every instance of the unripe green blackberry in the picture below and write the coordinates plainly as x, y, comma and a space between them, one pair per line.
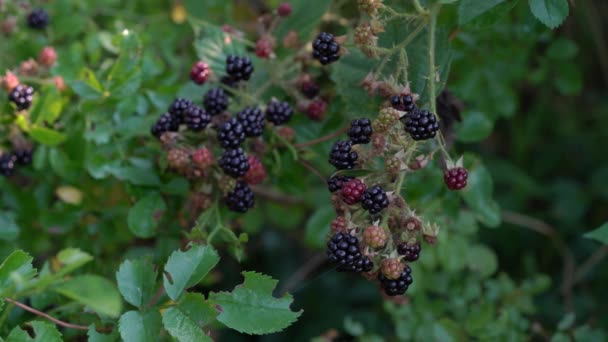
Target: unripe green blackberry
391, 268
387, 118
178, 159
374, 237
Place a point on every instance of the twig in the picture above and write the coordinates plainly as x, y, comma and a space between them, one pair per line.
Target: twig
303, 272
322, 139
588, 265
312, 169
156, 297
51, 318
275, 195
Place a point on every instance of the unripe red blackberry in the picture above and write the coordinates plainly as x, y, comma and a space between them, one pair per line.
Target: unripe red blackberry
28, 68
59, 83
339, 224
316, 110
263, 48
287, 133
256, 173
374, 237
202, 158
456, 178
410, 251
200, 72
352, 191
394, 287
9, 81
8, 25
48, 56
284, 9
391, 268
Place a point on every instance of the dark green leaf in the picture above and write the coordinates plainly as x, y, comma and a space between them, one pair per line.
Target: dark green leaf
185, 320
43, 332
46, 136
137, 326
478, 196
475, 126
16, 270
469, 9
145, 214
95, 336
94, 291
550, 12
8, 227
188, 268
318, 226
136, 281
600, 234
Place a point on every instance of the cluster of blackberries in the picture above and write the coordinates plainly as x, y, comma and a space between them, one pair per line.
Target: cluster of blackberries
325, 48
342, 156
10, 160
181, 111
38, 19
343, 249
22, 96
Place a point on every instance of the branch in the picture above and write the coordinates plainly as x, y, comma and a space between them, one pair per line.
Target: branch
322, 139
275, 195
591, 262
312, 169
303, 272
51, 318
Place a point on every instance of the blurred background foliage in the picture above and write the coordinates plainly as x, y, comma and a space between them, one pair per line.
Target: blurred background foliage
535, 109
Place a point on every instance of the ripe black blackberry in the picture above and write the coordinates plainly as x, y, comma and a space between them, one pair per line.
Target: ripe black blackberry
403, 103
278, 112
395, 287
241, 198
252, 120
23, 156
229, 81
343, 249
215, 101
421, 124
360, 131
410, 251
234, 162
336, 182
22, 96
38, 19
165, 123
374, 199
231, 134
7, 164
196, 118
178, 109
239, 68
342, 156
325, 48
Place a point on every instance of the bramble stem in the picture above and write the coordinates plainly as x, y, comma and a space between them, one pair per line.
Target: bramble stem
432, 67
419, 8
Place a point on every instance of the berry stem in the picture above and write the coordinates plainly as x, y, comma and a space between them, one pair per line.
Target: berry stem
323, 138
400, 46
432, 67
396, 15
290, 146
419, 8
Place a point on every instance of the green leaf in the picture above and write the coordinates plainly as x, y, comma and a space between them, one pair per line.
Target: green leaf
482, 259
144, 215
188, 268
9, 231
318, 226
94, 336
250, 308
136, 175
94, 291
562, 49
306, 16
89, 87
71, 259
213, 45
136, 281
15, 272
567, 321
470, 9
600, 234
478, 196
475, 126
569, 79
43, 332
185, 320
550, 12
137, 326
46, 136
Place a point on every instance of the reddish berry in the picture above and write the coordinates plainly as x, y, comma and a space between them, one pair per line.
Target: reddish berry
8, 25
263, 48
29, 67
339, 224
59, 83
455, 178
284, 9
9, 81
391, 268
316, 110
352, 191
47, 56
291, 40
200, 72
202, 158
374, 236
256, 173
178, 159
410, 251
287, 133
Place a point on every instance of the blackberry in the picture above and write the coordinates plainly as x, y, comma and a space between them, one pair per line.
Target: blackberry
165, 123
352, 191
310, 89
395, 287
200, 72
215, 101
421, 124
239, 68
196, 118
22, 96
178, 109
234, 162
325, 48
343, 249
456, 178
360, 131
410, 251
231, 134
7, 164
23, 156
278, 112
403, 103
374, 199
241, 198
342, 156
252, 120
38, 19
336, 182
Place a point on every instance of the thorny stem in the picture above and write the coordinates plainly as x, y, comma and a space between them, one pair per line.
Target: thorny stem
290, 146
322, 139
400, 46
419, 8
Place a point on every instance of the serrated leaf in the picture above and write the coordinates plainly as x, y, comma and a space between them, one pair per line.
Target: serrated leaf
470, 9
318, 226
478, 196
185, 320
250, 308
15, 271
136, 281
137, 326
600, 234
93, 291
550, 12
144, 215
43, 332
188, 268
9, 230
